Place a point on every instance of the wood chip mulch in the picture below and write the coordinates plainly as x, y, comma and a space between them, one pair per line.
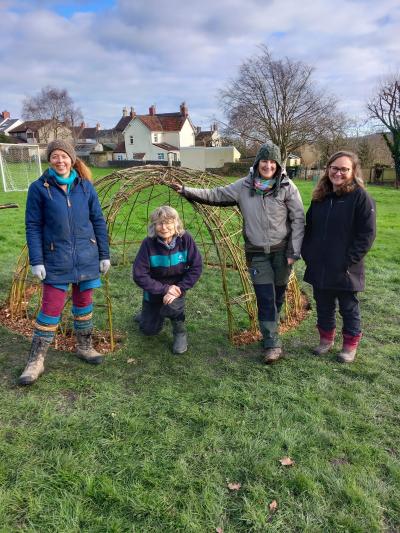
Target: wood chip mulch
248, 337
65, 343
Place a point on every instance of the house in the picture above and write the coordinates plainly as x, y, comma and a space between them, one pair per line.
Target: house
7, 123
293, 160
209, 138
119, 152
152, 137
40, 132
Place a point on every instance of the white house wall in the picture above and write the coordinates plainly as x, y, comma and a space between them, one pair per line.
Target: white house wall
141, 140
186, 135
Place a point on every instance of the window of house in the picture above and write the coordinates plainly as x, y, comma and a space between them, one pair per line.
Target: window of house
131, 139
156, 138
119, 157
160, 155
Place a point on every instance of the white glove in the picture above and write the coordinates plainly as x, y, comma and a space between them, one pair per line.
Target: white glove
39, 271
105, 265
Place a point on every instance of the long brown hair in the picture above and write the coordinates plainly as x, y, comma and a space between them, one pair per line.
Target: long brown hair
83, 170
324, 185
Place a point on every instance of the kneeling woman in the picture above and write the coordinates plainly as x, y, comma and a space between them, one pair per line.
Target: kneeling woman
340, 229
67, 242
168, 263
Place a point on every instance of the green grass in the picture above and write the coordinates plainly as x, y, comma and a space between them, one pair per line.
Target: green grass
149, 446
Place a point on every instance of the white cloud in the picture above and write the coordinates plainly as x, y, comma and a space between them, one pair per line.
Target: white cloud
147, 51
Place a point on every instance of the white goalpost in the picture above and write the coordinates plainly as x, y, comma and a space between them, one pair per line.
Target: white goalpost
19, 166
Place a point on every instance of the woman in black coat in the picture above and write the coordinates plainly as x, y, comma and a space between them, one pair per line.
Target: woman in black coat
340, 229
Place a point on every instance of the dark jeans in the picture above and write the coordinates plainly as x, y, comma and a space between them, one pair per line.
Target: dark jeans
349, 308
270, 275
154, 313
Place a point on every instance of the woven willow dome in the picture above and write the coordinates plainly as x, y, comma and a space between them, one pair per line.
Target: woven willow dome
129, 196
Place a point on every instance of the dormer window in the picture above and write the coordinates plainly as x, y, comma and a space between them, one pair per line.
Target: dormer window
156, 137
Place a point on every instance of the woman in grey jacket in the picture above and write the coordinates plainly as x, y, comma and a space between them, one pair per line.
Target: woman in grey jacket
273, 229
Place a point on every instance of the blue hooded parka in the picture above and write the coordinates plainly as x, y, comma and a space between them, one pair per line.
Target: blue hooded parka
65, 232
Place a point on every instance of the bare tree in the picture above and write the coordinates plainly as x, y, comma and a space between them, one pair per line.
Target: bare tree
278, 100
385, 107
55, 109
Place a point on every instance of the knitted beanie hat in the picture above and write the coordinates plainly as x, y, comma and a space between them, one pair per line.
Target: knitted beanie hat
268, 151
65, 146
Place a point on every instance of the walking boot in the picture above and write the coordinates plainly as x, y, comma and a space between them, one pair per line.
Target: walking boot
326, 340
349, 350
84, 347
271, 342
272, 355
180, 344
35, 365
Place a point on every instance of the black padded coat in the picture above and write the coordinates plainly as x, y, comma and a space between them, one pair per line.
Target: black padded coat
339, 232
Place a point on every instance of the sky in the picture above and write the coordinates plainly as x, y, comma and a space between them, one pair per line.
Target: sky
110, 54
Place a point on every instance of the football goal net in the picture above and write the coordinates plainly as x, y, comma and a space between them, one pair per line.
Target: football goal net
19, 166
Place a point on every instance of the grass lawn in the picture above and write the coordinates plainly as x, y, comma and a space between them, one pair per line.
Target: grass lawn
149, 441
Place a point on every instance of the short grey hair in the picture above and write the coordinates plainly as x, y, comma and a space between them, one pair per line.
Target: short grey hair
165, 212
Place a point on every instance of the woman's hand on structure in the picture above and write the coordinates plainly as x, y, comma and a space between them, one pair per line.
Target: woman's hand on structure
39, 271
177, 187
105, 266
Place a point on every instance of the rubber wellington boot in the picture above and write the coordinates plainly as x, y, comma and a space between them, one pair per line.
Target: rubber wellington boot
349, 350
180, 344
84, 347
35, 365
326, 340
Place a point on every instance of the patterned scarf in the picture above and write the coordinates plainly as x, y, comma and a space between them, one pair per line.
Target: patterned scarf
262, 186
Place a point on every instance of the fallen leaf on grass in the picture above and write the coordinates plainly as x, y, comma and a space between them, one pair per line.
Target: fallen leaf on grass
234, 486
219, 530
273, 506
286, 461
131, 360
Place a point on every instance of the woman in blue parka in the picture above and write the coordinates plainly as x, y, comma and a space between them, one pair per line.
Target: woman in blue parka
67, 242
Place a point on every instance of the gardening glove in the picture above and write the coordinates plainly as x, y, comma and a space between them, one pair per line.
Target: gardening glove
39, 271
105, 265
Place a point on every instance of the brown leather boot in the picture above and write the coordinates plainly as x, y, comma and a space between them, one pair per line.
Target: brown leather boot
84, 347
35, 365
272, 355
349, 350
326, 341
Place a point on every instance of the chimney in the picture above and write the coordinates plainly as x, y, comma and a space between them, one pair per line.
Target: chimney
184, 109
214, 126
98, 127
124, 111
5, 114
152, 110
198, 129
132, 114
82, 125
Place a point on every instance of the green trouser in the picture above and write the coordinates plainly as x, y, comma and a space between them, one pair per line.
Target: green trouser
270, 275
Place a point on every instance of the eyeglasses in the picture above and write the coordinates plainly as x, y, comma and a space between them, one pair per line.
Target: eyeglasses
342, 170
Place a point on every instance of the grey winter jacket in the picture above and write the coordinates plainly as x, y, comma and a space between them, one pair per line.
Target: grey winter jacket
268, 220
